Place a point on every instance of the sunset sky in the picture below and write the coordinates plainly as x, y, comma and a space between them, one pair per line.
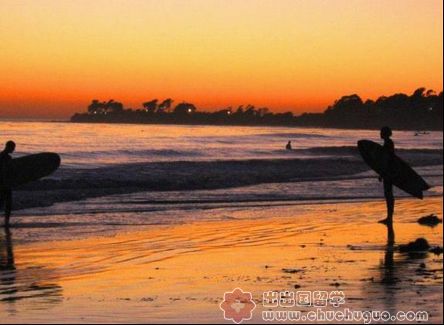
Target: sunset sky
55, 56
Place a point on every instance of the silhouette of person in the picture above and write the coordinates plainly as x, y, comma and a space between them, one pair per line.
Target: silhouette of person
288, 146
389, 147
6, 193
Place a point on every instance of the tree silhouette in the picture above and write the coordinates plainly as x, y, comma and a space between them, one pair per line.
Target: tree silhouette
421, 110
165, 105
95, 106
113, 107
150, 106
185, 108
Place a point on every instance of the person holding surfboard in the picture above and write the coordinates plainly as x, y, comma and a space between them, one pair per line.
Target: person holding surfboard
393, 171
389, 148
5, 192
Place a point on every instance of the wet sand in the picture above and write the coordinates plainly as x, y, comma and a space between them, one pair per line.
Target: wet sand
179, 273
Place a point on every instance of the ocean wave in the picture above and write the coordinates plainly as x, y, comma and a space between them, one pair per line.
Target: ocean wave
353, 150
77, 183
88, 159
293, 135
363, 186
138, 153
412, 156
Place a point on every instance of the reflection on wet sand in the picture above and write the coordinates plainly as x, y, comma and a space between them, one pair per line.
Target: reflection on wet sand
23, 284
397, 271
388, 272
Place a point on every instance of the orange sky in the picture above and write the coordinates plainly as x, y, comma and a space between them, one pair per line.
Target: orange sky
55, 56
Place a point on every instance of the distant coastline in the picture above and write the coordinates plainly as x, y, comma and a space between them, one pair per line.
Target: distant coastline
420, 111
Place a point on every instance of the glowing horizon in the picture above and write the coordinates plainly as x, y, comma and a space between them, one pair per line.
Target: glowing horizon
287, 55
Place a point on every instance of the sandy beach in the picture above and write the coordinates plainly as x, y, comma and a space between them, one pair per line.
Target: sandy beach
179, 273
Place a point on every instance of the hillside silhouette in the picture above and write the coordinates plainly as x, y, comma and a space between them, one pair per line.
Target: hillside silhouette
422, 110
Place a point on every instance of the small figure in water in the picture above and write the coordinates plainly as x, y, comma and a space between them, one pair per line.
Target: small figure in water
288, 146
389, 147
6, 193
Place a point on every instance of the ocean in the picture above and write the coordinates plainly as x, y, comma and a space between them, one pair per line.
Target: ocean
152, 174
99, 145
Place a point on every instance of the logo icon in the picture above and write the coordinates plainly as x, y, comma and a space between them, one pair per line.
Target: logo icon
337, 298
238, 306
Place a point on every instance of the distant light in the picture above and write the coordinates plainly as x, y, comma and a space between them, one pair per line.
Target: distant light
229, 112
190, 110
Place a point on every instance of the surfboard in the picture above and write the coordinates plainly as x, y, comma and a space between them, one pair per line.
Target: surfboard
401, 174
19, 171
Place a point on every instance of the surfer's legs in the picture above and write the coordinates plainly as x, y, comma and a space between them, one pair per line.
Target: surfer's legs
390, 235
390, 200
6, 198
